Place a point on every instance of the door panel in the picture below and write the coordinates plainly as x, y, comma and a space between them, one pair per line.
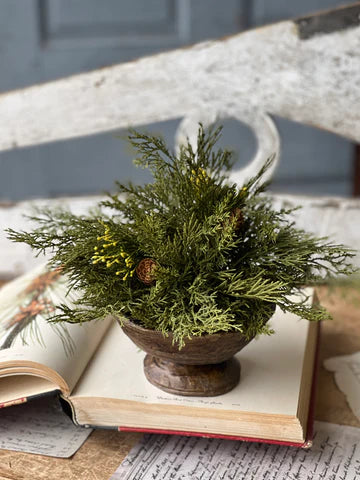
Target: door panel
49, 39
114, 24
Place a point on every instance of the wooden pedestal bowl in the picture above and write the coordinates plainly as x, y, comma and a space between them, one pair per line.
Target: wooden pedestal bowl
205, 366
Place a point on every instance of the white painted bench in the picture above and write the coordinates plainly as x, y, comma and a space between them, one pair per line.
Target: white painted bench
306, 70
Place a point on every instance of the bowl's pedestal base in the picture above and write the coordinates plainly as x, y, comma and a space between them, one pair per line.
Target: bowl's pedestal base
192, 380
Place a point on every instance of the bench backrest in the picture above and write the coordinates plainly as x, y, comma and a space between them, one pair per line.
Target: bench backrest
305, 70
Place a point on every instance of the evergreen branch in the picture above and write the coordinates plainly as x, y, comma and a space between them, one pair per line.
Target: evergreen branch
219, 256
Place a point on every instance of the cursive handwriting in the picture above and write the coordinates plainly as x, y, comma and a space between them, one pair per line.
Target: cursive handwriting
335, 455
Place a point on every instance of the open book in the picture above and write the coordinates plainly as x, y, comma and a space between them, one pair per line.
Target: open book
101, 374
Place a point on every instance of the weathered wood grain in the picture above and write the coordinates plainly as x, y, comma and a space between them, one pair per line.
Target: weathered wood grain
267, 70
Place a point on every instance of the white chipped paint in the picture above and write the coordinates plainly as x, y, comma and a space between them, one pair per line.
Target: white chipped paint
269, 70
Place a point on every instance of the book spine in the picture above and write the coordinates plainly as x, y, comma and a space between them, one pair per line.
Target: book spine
211, 435
68, 408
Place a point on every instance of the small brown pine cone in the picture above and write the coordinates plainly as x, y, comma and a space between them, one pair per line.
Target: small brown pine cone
237, 216
146, 271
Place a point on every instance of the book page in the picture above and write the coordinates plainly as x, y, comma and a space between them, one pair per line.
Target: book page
335, 455
28, 340
347, 378
40, 427
16, 389
263, 369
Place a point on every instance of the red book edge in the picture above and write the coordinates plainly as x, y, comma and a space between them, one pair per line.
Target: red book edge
309, 426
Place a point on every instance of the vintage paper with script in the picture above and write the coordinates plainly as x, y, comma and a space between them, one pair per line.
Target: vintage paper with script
335, 455
347, 378
41, 427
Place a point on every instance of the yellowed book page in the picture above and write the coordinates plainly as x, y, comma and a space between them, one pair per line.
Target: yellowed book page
25, 306
17, 388
271, 368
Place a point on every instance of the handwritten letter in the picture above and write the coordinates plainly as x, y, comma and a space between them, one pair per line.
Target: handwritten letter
41, 427
335, 455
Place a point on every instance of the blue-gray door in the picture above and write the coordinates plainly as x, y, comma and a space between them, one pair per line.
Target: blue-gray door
41, 40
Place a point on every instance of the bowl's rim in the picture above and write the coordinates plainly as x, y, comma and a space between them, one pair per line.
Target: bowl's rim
139, 328
129, 322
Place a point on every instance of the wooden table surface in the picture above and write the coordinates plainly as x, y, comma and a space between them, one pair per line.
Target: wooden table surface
104, 450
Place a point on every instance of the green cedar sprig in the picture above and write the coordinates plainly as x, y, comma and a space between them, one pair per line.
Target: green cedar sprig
211, 275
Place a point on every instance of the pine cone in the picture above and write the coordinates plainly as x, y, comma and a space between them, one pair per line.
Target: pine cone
237, 216
146, 271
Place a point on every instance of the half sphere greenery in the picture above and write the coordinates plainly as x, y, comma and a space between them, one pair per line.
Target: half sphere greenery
189, 253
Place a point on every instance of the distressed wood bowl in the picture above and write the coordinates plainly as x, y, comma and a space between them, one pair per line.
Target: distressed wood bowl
205, 366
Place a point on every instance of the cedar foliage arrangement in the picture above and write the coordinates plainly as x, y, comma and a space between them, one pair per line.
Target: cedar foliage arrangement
188, 253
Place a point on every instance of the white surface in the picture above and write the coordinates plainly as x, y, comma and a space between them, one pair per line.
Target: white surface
334, 456
18, 258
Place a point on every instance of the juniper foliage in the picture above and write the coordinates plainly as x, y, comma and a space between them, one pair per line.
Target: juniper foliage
223, 256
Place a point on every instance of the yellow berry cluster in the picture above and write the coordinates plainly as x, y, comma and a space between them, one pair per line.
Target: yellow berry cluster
112, 254
199, 176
